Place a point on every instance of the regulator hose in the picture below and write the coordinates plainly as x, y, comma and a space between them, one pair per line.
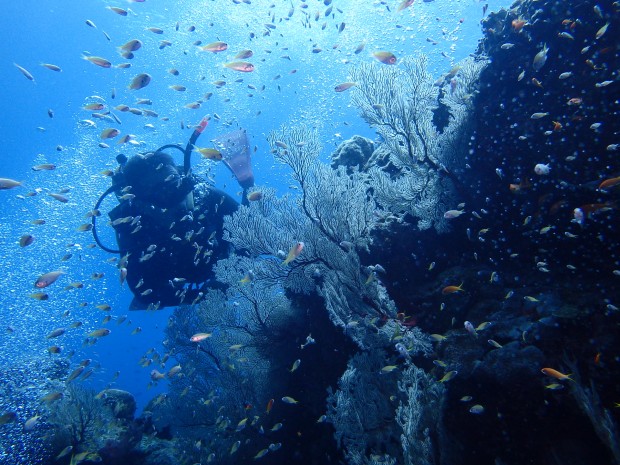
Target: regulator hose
93, 220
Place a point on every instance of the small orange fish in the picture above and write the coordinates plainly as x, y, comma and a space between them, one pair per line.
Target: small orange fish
59, 197
40, 296
25, 72
140, 81
215, 47
590, 208
519, 188
200, 337
555, 374
609, 183
518, 24
75, 373
94, 106
269, 405
99, 333
242, 66
109, 133
387, 58
122, 276
98, 61
555, 208
597, 358
254, 196
156, 375
6, 183
118, 11
344, 86
243, 54
47, 279
52, 67
131, 46
452, 289
293, 253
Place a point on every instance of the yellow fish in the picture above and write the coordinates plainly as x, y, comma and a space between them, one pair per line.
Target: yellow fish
448, 376
388, 369
99, 332
235, 447
209, 153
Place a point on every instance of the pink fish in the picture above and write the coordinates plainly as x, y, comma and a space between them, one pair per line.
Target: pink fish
242, 66
387, 58
344, 86
47, 279
451, 214
293, 253
215, 47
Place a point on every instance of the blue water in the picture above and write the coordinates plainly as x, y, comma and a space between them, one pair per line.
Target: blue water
45, 31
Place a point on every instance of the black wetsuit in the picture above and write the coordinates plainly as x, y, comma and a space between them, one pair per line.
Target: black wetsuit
171, 248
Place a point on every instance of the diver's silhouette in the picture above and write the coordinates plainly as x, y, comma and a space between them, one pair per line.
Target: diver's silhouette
169, 222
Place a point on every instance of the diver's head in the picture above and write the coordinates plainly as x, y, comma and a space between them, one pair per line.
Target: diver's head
154, 178
121, 159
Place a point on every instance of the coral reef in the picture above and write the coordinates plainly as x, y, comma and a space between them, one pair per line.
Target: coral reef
250, 323
122, 403
362, 412
80, 415
102, 424
417, 414
354, 154
601, 418
387, 414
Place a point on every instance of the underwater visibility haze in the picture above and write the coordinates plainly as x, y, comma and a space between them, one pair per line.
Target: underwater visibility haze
310, 231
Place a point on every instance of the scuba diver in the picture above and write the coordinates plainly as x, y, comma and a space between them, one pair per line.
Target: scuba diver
169, 222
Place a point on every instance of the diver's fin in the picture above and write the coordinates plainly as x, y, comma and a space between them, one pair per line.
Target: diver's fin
235, 150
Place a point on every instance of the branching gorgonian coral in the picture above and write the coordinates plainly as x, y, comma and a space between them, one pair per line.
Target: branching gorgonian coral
386, 414
333, 216
418, 413
399, 104
361, 410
